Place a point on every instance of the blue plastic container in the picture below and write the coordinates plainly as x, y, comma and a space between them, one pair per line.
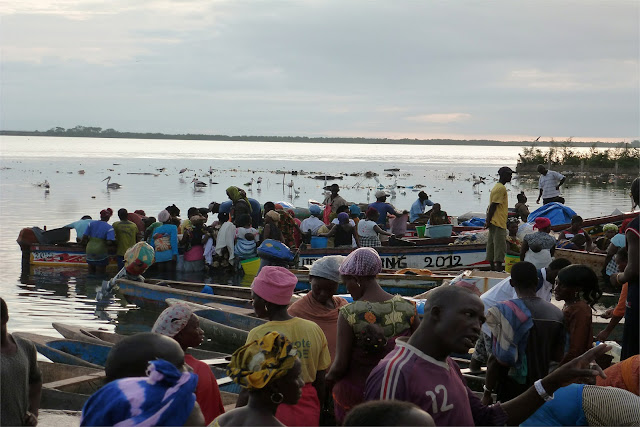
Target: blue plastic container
439, 231
318, 242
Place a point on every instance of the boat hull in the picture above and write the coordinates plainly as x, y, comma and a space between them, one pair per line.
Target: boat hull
63, 255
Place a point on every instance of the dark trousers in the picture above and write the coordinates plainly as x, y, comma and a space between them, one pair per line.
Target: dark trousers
553, 199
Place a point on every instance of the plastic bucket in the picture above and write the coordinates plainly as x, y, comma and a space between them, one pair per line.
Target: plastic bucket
420, 230
318, 242
509, 260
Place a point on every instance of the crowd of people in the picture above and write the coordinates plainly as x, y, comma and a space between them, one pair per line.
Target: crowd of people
321, 360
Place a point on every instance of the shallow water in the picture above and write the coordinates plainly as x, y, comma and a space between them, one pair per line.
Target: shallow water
38, 297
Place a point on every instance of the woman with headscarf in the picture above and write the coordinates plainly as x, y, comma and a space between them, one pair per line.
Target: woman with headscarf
179, 322
538, 248
163, 398
272, 290
98, 238
367, 328
603, 242
270, 371
321, 306
165, 242
193, 238
271, 228
240, 204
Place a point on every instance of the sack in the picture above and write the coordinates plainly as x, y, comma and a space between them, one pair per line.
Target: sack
270, 249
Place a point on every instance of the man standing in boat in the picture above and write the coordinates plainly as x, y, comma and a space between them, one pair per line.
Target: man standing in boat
549, 184
496, 220
334, 201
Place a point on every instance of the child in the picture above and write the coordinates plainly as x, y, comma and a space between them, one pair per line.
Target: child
246, 238
522, 210
577, 286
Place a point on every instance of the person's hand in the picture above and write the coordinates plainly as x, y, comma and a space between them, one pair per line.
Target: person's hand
582, 369
557, 187
487, 399
613, 279
30, 419
602, 336
538, 201
607, 314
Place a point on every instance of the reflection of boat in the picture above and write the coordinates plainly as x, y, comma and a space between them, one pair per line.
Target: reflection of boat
152, 294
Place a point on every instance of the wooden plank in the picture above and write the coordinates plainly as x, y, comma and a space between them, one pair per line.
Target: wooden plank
74, 380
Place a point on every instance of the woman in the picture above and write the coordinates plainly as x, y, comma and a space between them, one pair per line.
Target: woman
240, 204
288, 226
98, 238
343, 233
368, 229
630, 337
574, 230
224, 254
271, 374
193, 239
178, 322
438, 216
577, 286
603, 242
522, 210
165, 242
321, 306
538, 248
367, 328
272, 290
271, 229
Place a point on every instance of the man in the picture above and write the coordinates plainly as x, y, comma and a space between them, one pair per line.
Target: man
383, 208
549, 184
541, 334
80, 226
503, 291
334, 200
418, 207
496, 220
419, 369
126, 235
314, 222
20, 378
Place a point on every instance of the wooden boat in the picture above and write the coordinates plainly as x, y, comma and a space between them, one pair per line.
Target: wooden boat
592, 260
221, 315
435, 257
153, 296
67, 387
52, 348
76, 332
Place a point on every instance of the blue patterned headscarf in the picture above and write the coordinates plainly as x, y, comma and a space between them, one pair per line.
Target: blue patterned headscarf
165, 397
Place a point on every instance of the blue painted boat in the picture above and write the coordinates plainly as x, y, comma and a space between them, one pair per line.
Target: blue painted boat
153, 296
49, 347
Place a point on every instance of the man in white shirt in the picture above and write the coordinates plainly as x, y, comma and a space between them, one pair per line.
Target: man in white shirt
549, 184
313, 223
504, 291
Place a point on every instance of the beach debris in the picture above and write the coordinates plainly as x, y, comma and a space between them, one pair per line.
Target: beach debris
392, 170
81, 172
328, 177
112, 185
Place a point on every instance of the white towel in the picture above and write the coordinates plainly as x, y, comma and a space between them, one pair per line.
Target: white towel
226, 239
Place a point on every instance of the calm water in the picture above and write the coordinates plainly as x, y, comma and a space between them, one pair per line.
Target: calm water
38, 297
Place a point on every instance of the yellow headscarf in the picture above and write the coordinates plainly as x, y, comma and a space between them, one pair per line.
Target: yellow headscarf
255, 364
236, 194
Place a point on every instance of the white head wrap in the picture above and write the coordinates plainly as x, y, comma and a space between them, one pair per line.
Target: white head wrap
327, 267
172, 320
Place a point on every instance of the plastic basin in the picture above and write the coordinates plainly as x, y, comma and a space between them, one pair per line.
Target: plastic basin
439, 231
318, 242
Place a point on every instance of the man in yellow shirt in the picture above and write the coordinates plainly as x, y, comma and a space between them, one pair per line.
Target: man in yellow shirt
497, 220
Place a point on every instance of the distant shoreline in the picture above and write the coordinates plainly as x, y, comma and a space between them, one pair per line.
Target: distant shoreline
89, 132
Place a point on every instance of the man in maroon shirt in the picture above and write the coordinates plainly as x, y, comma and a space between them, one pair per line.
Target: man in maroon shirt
419, 369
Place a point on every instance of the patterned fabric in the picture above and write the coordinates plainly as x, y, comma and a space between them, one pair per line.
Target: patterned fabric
394, 316
164, 398
539, 240
258, 362
362, 262
162, 242
172, 320
370, 241
138, 258
287, 227
513, 244
610, 406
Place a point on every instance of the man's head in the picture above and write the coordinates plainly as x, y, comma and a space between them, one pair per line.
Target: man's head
505, 173
214, 207
123, 214
436, 208
422, 196
453, 316
388, 413
335, 188
86, 217
553, 268
542, 170
381, 196
522, 198
269, 206
130, 357
524, 276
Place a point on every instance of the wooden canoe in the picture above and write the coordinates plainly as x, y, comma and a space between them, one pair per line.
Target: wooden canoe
592, 260
151, 296
67, 387
47, 347
76, 332
222, 315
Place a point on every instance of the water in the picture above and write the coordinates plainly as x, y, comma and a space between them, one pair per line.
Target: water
38, 297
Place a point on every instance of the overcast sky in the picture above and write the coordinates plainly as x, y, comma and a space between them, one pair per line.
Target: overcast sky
395, 68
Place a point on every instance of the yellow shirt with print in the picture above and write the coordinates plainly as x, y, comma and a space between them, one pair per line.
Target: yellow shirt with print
499, 196
307, 338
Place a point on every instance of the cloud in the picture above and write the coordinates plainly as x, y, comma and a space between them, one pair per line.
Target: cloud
440, 118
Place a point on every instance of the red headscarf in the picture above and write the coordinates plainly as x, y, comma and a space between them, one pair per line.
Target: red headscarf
541, 223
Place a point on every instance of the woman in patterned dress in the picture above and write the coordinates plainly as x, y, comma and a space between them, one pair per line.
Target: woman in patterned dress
368, 229
367, 328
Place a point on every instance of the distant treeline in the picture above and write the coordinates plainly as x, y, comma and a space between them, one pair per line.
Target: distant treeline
625, 155
98, 132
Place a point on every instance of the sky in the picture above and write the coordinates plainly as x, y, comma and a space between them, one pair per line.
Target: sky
505, 70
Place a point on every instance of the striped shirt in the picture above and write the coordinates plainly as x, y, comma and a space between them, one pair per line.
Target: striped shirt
436, 387
548, 183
